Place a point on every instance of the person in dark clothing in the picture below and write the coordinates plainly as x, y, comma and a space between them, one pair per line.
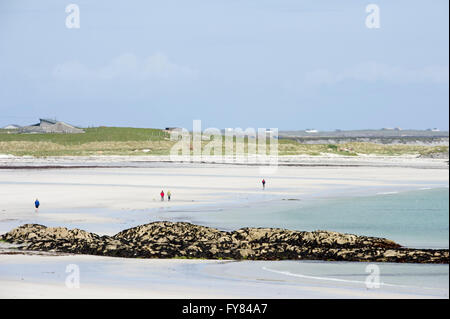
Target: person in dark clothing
36, 204
264, 183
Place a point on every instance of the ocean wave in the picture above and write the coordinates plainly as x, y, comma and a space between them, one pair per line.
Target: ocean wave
387, 193
288, 273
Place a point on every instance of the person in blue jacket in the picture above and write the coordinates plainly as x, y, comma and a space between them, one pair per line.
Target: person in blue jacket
36, 204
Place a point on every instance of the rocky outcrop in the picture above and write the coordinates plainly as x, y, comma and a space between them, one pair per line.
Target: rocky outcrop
185, 240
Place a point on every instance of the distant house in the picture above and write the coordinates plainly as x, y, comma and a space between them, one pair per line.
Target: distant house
11, 127
51, 126
175, 129
311, 131
45, 123
271, 133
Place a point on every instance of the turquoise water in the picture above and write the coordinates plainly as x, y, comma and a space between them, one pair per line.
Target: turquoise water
415, 219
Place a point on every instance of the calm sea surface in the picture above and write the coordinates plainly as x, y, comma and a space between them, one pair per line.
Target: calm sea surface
414, 219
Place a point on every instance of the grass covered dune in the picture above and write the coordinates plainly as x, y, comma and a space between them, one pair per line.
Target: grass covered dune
144, 141
95, 141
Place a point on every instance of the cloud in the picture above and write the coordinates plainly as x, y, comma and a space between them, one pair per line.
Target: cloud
372, 72
156, 66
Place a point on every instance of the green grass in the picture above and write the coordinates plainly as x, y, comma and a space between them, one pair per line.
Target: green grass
96, 141
290, 147
95, 134
143, 141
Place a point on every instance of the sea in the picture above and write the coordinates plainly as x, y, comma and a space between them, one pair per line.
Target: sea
416, 219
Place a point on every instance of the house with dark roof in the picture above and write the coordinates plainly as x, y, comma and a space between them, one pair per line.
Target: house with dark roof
11, 127
50, 126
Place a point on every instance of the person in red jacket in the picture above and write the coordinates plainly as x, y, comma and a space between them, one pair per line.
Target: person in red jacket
162, 195
264, 183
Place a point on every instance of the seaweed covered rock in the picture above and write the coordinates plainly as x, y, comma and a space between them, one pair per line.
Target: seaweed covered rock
179, 239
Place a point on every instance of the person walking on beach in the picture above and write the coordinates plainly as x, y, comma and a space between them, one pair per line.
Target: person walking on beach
168, 195
162, 195
264, 183
36, 204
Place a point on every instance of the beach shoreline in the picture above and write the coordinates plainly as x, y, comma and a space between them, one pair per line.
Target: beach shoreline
323, 160
23, 276
87, 196
135, 189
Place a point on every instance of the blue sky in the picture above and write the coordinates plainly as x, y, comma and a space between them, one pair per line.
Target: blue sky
248, 63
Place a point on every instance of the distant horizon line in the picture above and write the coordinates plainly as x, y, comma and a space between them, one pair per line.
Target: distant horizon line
306, 130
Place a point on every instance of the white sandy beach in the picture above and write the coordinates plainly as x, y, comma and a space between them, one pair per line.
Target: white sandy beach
138, 188
84, 196
106, 277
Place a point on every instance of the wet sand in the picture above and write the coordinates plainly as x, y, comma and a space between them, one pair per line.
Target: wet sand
126, 189
105, 277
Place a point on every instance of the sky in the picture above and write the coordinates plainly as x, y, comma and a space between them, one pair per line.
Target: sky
286, 64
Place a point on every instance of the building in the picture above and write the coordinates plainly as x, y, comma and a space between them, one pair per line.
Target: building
51, 126
11, 127
173, 129
272, 133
